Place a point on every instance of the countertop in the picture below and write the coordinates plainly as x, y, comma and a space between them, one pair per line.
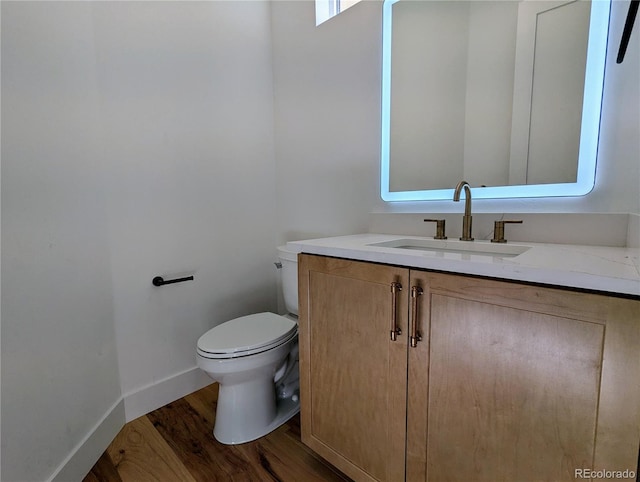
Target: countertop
600, 268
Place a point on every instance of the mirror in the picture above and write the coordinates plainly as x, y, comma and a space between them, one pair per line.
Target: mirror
503, 94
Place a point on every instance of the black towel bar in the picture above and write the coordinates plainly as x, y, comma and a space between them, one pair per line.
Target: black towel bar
159, 280
628, 27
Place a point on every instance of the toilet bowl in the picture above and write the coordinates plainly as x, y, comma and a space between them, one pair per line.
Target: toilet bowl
254, 359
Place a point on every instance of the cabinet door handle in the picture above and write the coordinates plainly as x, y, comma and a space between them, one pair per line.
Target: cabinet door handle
416, 291
395, 289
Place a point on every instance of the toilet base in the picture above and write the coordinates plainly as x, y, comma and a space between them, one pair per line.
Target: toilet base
285, 409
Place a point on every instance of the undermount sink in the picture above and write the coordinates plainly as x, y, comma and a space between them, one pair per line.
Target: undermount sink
441, 247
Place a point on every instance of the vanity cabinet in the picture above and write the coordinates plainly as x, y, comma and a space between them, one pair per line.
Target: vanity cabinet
506, 381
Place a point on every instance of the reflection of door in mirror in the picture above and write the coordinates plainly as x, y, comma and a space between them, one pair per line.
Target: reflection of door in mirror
487, 91
551, 57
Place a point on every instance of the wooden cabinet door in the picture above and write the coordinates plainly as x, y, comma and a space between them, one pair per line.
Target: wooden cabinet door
352, 375
516, 382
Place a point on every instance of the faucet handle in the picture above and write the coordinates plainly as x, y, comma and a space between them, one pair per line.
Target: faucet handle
498, 230
439, 228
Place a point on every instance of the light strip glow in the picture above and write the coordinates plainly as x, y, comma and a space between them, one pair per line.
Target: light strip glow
594, 80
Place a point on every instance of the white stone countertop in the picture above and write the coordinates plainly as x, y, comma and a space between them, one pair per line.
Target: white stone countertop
600, 268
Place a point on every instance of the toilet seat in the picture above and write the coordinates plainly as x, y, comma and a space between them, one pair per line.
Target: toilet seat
247, 335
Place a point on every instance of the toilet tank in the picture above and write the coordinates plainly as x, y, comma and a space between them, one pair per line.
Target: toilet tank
289, 260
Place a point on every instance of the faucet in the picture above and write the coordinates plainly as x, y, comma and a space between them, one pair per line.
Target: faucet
466, 219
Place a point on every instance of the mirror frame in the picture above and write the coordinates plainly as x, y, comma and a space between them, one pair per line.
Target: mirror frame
589, 133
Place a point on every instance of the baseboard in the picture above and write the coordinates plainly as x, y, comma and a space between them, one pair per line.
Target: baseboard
79, 462
633, 231
131, 406
158, 394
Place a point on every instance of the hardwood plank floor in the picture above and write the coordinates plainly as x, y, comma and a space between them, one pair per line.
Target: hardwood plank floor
175, 444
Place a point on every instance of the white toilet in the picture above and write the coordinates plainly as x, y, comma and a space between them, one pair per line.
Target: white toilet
254, 358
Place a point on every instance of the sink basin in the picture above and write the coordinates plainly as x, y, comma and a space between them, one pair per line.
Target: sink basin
442, 247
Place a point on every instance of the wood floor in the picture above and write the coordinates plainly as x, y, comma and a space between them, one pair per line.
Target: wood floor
175, 444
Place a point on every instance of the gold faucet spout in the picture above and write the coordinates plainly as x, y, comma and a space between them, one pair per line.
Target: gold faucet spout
466, 220
467, 196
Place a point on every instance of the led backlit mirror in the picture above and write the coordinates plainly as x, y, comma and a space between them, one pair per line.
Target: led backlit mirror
503, 94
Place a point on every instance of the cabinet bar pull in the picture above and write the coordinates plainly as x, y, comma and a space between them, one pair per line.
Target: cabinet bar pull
395, 289
415, 336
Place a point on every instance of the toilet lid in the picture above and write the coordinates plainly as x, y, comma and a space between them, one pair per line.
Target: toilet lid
246, 335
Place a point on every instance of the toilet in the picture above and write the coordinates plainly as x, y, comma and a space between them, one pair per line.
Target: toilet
254, 359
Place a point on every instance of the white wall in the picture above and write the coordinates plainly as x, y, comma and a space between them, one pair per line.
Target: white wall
327, 90
618, 173
188, 106
59, 362
137, 141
